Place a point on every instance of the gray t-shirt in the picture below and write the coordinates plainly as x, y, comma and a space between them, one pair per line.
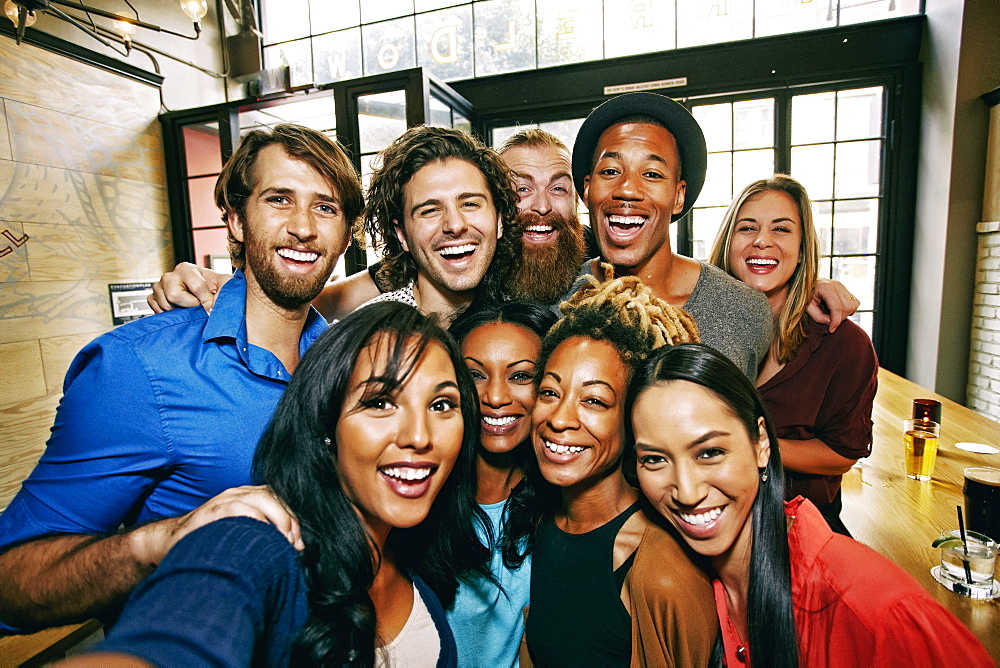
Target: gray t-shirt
732, 317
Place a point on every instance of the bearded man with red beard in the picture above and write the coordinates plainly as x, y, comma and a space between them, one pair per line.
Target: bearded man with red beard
552, 243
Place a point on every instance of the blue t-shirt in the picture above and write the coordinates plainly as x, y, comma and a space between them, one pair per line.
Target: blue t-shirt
488, 623
157, 417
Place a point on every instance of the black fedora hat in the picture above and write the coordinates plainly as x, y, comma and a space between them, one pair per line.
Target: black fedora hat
678, 120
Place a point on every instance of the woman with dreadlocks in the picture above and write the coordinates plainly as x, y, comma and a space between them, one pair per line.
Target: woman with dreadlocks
582, 523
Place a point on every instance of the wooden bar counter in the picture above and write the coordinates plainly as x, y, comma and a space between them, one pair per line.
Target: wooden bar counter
900, 517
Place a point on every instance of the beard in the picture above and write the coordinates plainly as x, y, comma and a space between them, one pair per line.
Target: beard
545, 273
288, 291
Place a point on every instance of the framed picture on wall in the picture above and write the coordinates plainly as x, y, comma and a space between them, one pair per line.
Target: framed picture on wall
220, 263
128, 301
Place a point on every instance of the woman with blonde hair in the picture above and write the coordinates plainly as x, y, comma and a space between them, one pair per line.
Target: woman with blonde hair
819, 386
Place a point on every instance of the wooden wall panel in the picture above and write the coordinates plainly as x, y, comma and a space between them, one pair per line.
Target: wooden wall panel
14, 263
116, 255
22, 376
82, 194
42, 309
4, 137
45, 137
39, 194
24, 428
32, 76
57, 354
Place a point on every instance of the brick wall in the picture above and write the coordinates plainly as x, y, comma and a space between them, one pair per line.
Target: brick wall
984, 365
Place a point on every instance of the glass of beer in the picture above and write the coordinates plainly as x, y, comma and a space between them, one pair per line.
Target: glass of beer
921, 440
982, 500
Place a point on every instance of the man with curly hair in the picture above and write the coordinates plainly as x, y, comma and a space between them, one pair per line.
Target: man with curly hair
437, 203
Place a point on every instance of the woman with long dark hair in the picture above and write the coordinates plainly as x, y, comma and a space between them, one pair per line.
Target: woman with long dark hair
500, 343
372, 447
582, 523
818, 386
788, 590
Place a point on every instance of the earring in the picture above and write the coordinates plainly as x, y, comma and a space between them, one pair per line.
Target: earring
327, 441
763, 476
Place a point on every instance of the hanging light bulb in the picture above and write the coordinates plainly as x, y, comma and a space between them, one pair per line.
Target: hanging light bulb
127, 31
196, 10
10, 8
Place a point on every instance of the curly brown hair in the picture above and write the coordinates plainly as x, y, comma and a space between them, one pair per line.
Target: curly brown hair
237, 180
417, 147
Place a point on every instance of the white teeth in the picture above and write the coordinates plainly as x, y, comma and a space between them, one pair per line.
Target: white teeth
563, 449
499, 422
762, 261
407, 473
541, 229
458, 250
298, 256
626, 220
701, 518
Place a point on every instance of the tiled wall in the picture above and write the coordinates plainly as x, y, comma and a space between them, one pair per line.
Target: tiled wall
984, 365
82, 204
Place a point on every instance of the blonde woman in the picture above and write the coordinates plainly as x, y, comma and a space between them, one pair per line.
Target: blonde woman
818, 386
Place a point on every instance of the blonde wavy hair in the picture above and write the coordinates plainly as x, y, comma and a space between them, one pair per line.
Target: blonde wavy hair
791, 322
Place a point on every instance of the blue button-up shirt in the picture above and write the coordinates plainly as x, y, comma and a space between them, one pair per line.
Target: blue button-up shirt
157, 417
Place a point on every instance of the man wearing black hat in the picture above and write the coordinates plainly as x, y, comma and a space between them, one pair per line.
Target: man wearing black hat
639, 162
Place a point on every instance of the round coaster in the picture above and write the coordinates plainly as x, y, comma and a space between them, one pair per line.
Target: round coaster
980, 448
960, 588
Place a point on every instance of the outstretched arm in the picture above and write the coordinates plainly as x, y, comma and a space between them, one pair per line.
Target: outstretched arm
186, 286
62, 579
838, 301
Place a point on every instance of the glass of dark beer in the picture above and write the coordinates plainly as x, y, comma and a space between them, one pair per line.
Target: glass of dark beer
982, 500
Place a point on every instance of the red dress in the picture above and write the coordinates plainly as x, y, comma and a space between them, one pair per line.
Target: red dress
854, 607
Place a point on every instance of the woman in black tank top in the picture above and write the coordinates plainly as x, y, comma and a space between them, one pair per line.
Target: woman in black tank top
574, 512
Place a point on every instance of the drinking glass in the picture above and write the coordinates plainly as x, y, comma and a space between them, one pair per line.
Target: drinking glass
920, 437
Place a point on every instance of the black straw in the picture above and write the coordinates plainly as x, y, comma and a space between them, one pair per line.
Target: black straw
965, 547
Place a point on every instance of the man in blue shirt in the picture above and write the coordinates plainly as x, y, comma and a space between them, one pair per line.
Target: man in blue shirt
162, 415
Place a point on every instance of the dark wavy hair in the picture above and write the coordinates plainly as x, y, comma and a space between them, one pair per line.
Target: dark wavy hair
237, 180
295, 458
771, 625
417, 147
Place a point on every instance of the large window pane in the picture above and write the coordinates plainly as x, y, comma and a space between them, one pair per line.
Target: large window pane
297, 56
284, 21
753, 123
388, 46
716, 121
632, 27
327, 16
384, 9
855, 226
202, 150
381, 118
813, 167
705, 226
713, 21
859, 113
505, 36
569, 31
445, 42
718, 188
859, 11
337, 56
813, 118
858, 168
858, 275
773, 17
749, 166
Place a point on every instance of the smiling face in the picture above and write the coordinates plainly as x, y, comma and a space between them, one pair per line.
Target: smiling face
501, 358
395, 450
633, 191
546, 201
577, 424
293, 229
698, 466
450, 226
765, 247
